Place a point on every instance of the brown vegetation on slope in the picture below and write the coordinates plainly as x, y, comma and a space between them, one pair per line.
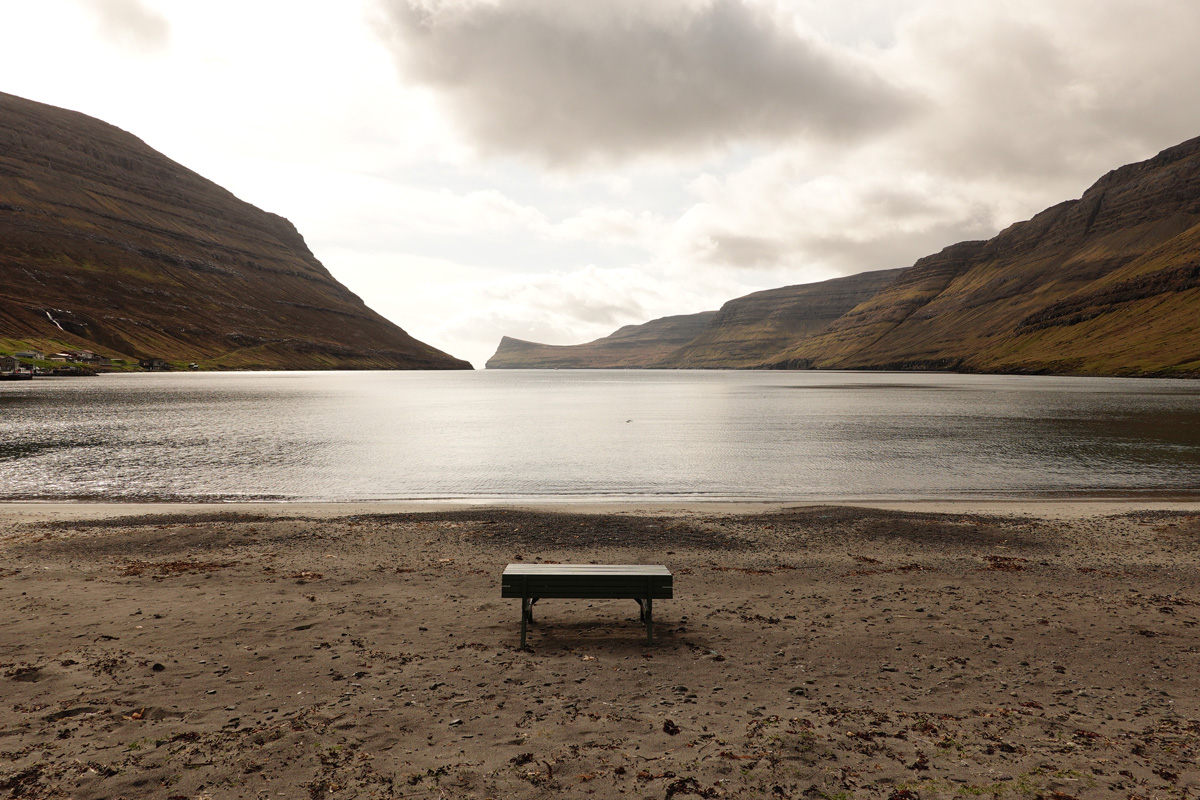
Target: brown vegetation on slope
106, 244
748, 329
1107, 284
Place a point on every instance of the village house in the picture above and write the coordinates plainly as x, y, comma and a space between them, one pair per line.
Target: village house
32, 355
9, 364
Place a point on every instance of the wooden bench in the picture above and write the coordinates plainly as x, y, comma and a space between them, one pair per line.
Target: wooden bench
644, 583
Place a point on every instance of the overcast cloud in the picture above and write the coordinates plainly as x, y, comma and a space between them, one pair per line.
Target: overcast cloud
554, 169
130, 23
1022, 105
567, 83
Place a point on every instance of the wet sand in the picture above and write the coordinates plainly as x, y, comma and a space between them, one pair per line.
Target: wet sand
310, 651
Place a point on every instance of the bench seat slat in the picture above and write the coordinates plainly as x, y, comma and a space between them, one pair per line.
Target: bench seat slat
591, 594
586, 569
657, 591
586, 580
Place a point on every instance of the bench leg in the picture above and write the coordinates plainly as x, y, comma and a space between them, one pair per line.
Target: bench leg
649, 612
525, 614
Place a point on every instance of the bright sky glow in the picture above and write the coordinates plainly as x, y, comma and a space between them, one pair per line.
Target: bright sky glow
552, 170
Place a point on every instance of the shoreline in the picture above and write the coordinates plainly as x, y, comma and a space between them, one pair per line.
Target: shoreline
1057, 508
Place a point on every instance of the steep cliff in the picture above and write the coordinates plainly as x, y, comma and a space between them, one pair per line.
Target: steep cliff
629, 347
748, 329
107, 245
1108, 284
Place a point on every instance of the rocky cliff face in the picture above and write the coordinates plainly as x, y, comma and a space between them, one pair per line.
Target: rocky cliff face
630, 347
107, 245
1105, 285
749, 329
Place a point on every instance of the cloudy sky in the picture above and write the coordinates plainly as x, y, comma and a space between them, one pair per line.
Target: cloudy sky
554, 169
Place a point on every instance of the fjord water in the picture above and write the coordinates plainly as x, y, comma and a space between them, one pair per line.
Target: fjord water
542, 435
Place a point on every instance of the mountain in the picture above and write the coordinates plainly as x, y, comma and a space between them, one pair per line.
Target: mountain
749, 329
1108, 284
107, 245
631, 346
743, 333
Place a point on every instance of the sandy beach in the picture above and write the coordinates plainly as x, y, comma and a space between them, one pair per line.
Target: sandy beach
914, 650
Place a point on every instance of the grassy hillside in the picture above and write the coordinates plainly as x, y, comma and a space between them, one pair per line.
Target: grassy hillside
1104, 285
107, 245
748, 329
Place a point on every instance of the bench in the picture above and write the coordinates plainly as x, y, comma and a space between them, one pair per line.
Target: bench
644, 583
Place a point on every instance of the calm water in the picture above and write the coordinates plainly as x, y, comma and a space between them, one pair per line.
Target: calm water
584, 434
